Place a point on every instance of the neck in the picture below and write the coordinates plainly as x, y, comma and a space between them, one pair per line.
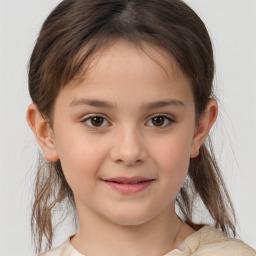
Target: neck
98, 236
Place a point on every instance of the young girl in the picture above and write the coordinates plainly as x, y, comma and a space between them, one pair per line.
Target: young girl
122, 107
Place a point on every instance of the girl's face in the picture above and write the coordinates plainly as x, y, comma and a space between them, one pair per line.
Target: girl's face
125, 133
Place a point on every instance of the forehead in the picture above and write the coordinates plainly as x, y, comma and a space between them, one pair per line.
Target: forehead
119, 51
138, 69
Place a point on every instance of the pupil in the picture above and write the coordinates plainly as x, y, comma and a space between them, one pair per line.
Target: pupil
97, 121
158, 121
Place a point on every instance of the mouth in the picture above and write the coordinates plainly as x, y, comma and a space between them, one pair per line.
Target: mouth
129, 185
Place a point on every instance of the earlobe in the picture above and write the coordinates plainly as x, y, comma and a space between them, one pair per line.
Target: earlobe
43, 133
206, 121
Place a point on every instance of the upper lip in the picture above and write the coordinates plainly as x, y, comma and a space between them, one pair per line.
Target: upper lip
128, 180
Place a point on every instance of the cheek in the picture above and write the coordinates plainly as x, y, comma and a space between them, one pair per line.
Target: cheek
173, 149
172, 156
174, 167
80, 159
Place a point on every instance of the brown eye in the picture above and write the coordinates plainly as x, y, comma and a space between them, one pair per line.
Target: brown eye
158, 120
96, 121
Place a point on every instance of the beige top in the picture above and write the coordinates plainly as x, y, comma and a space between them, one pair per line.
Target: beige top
208, 241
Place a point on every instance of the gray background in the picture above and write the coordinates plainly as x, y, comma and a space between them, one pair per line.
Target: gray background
231, 24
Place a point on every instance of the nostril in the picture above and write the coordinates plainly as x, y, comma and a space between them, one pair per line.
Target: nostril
129, 163
129, 154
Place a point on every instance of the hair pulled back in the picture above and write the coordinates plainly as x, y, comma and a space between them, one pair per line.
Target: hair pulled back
72, 33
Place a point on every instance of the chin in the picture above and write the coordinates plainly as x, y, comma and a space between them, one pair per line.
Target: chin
129, 222
130, 218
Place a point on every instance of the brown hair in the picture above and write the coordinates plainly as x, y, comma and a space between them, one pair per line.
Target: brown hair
73, 32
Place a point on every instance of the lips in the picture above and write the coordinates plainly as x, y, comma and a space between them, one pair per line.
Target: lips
129, 185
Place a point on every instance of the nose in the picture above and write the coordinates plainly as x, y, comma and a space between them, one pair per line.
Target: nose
128, 148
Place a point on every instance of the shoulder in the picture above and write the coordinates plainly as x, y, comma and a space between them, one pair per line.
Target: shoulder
61, 250
211, 242
229, 247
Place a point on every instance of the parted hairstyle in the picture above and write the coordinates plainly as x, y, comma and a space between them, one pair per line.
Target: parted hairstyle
73, 32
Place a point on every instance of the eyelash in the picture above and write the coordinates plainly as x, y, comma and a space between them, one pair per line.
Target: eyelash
90, 118
167, 119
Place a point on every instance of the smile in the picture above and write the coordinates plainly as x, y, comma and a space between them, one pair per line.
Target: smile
126, 185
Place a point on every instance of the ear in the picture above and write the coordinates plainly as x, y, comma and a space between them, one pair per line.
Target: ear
43, 133
204, 126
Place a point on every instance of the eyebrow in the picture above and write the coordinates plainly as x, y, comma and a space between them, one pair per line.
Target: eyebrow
91, 102
164, 103
106, 104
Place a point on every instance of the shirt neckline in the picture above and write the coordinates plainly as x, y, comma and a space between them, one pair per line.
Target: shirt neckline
182, 247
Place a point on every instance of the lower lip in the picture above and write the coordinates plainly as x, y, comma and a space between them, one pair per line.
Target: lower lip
129, 188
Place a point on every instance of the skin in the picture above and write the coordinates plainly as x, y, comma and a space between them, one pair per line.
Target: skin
127, 143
